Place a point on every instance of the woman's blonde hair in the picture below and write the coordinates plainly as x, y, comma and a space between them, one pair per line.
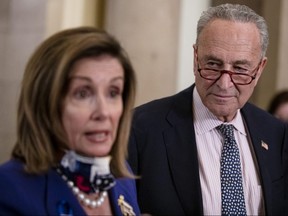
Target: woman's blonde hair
40, 133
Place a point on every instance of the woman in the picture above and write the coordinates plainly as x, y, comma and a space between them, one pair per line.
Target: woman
74, 117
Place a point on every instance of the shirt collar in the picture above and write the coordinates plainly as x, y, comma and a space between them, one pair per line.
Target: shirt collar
205, 121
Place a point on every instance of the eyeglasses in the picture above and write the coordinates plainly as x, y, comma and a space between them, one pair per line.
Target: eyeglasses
236, 78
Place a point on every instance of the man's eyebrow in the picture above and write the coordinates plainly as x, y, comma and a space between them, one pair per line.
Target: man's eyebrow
242, 62
237, 62
212, 57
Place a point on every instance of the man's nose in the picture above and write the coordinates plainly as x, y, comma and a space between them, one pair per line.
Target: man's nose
225, 81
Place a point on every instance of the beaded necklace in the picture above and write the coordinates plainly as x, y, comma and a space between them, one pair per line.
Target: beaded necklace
86, 175
82, 196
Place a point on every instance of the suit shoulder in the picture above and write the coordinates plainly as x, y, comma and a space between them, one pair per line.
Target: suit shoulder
258, 113
11, 167
160, 107
13, 173
262, 118
155, 105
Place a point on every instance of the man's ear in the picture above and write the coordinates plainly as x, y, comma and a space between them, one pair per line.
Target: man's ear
195, 63
261, 69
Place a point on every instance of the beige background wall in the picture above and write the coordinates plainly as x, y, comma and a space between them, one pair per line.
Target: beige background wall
282, 72
22, 26
153, 32
149, 32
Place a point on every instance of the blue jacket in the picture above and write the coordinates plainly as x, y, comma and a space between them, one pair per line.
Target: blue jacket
48, 194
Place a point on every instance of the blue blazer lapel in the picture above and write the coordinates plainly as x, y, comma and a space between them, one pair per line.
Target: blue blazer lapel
115, 195
182, 152
59, 197
123, 194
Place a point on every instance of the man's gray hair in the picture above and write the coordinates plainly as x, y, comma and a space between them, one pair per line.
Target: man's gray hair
238, 13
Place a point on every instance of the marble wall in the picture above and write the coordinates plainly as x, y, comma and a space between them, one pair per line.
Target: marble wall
21, 30
149, 32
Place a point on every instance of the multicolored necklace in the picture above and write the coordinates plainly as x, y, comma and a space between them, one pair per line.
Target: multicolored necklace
82, 197
86, 175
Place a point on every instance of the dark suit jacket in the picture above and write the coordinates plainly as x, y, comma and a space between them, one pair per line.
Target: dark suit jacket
162, 150
47, 194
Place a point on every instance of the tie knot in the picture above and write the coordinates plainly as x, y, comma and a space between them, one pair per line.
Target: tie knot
226, 130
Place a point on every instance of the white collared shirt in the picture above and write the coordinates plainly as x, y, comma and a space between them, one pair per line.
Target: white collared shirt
209, 146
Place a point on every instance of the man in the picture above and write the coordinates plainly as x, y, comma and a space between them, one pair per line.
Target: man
176, 143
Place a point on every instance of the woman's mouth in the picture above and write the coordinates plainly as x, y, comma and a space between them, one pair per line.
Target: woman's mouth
97, 136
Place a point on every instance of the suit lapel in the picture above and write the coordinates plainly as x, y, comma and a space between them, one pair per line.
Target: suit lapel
260, 151
115, 193
182, 153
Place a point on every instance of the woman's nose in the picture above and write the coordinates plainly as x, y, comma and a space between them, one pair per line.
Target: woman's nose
100, 109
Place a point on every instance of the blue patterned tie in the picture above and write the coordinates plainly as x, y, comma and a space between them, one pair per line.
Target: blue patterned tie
233, 202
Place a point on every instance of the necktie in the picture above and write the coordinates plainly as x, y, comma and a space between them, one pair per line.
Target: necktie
233, 202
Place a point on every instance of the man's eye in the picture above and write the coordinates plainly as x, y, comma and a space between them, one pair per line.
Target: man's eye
212, 65
240, 70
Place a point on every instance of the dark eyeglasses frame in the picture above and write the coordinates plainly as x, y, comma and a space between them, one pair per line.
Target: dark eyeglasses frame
231, 74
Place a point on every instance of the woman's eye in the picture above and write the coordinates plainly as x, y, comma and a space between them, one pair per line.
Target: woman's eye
82, 93
114, 92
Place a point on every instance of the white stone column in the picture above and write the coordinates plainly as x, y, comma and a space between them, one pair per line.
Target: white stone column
190, 12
